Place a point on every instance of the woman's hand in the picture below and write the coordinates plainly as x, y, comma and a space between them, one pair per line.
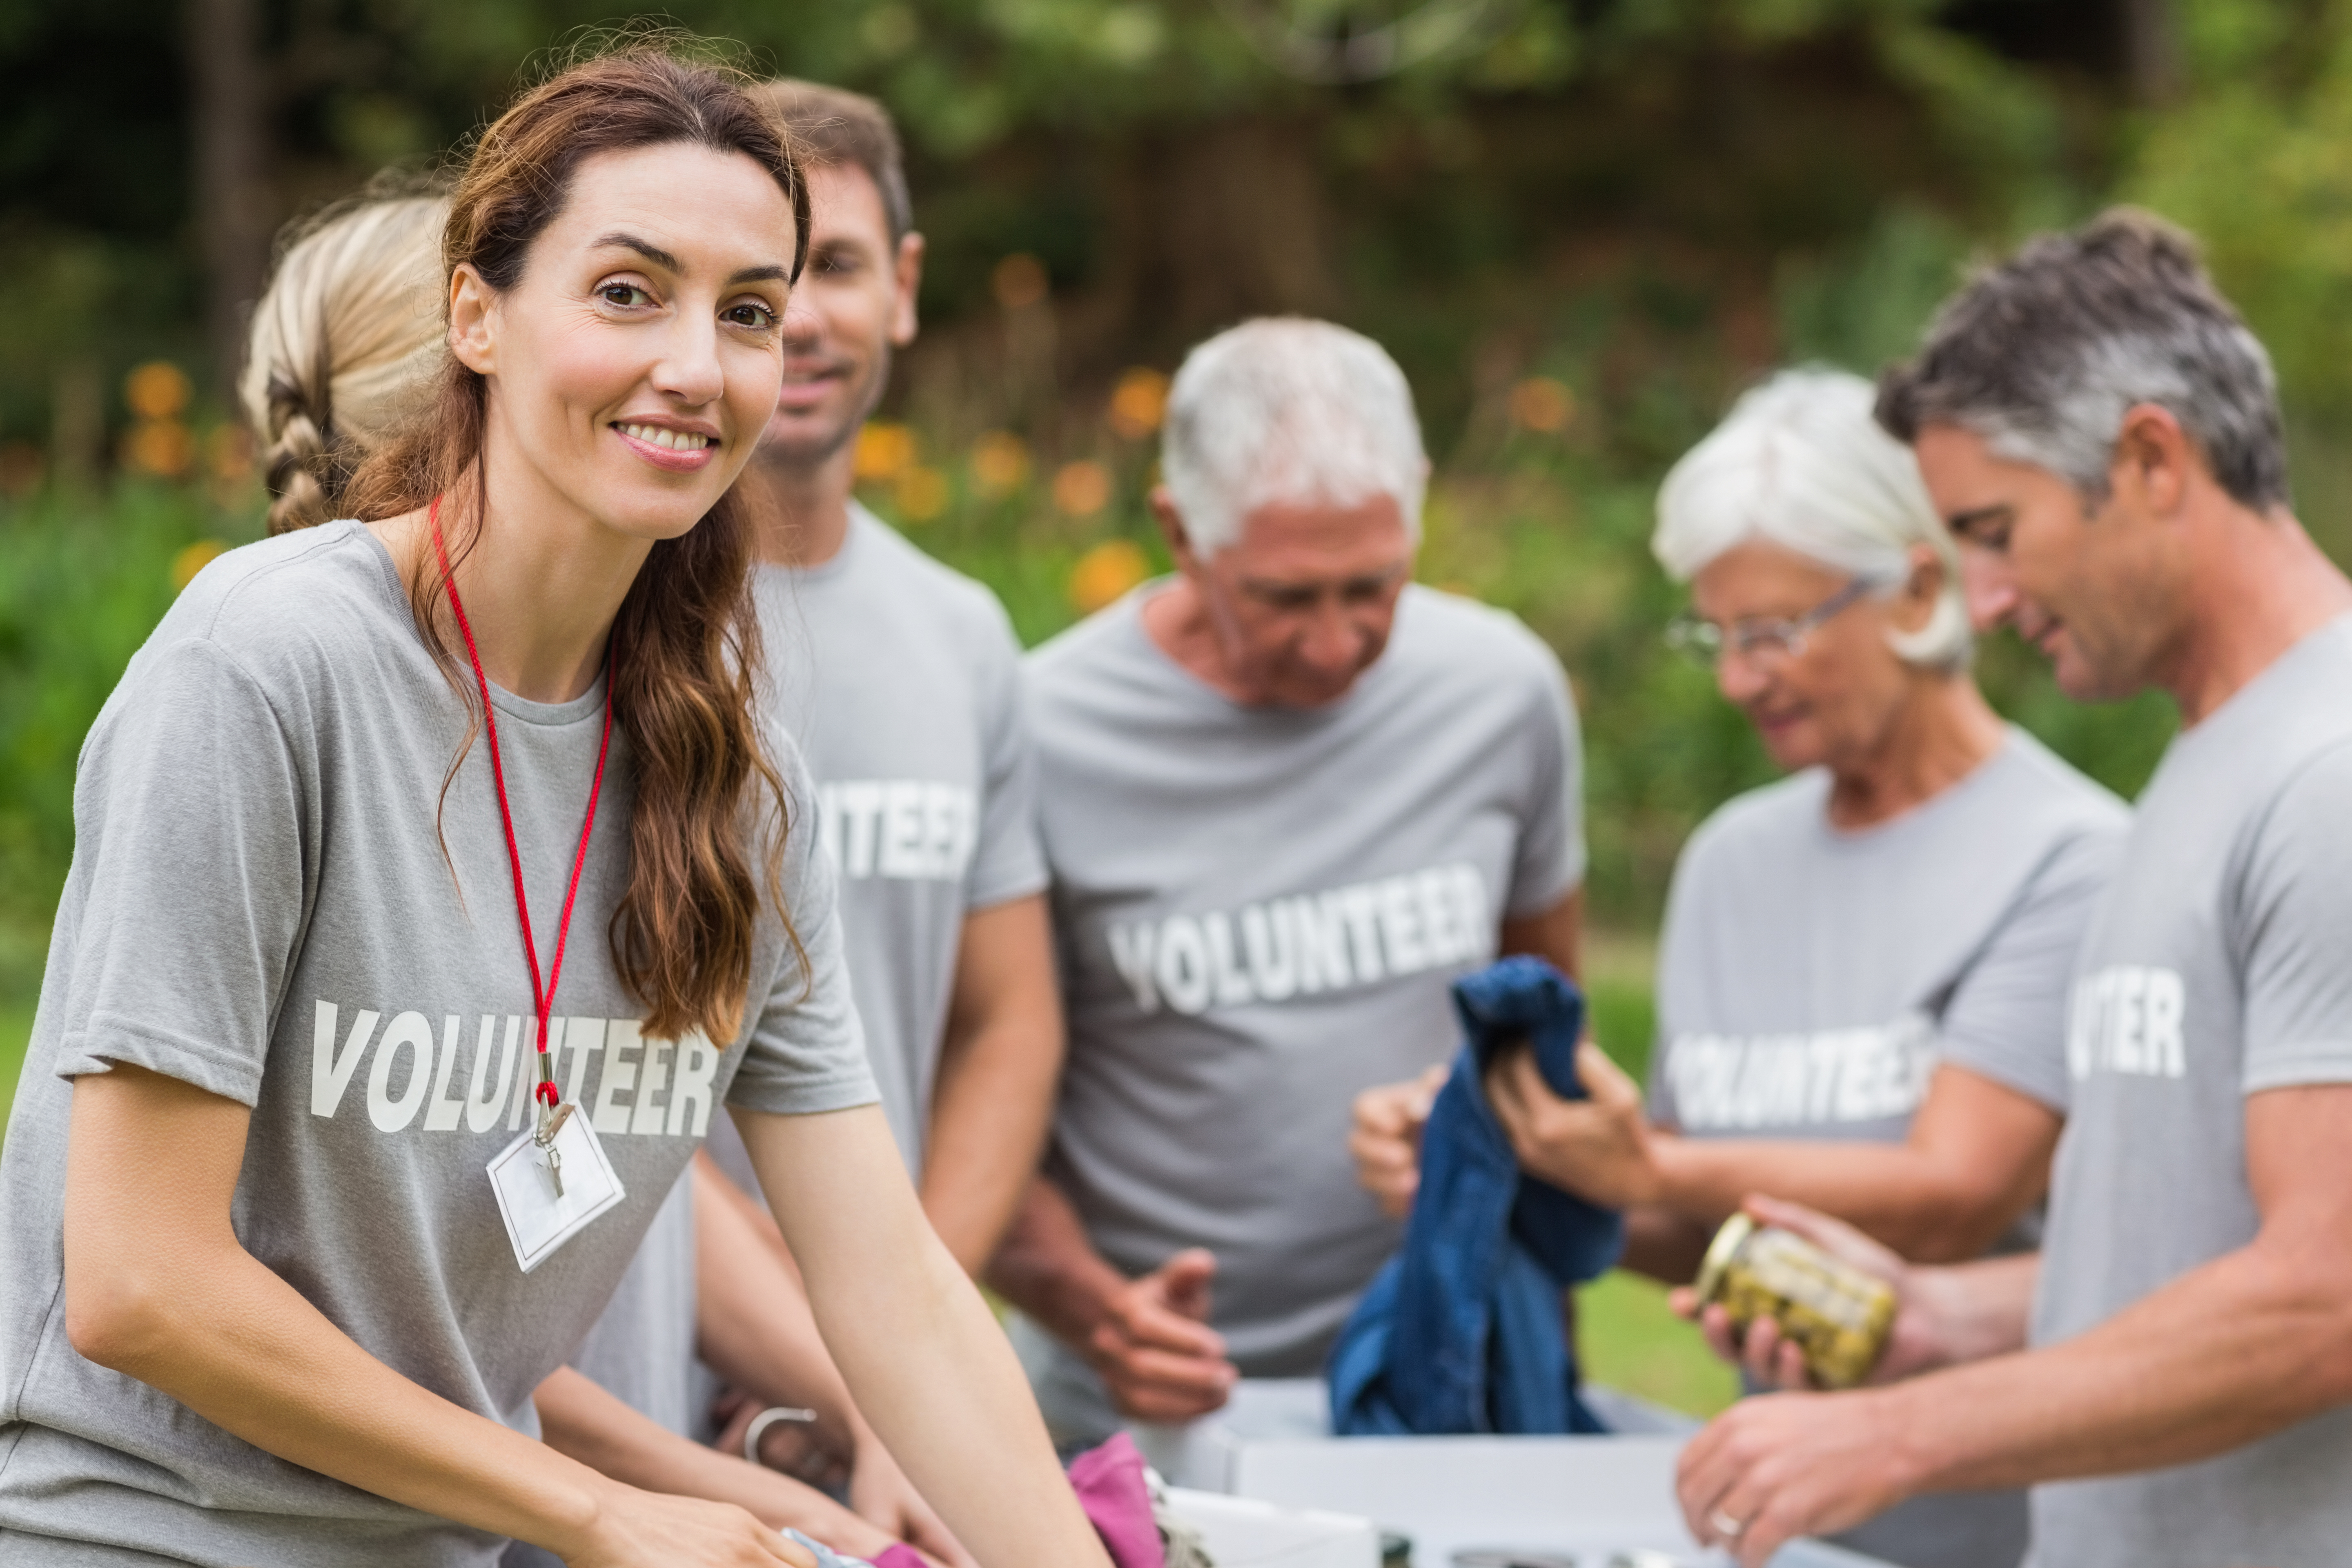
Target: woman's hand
884, 1497
635, 1529
1386, 1138
1600, 1148
1926, 1334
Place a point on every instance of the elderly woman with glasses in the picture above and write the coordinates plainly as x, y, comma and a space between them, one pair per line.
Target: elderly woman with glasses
1862, 981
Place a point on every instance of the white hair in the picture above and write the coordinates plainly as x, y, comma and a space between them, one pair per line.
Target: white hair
1802, 462
1287, 409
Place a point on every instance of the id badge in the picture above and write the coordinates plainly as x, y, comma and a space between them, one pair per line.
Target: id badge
547, 1202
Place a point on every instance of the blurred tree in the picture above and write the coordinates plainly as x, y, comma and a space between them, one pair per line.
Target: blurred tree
1173, 162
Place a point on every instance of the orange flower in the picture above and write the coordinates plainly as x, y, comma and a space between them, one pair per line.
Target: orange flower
1105, 573
1542, 403
884, 450
922, 494
1139, 402
1082, 489
193, 558
999, 463
157, 390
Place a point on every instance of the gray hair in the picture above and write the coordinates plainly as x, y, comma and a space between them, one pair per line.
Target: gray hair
1800, 462
2043, 356
1287, 409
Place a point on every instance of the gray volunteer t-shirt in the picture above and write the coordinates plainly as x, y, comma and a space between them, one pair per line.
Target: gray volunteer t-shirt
1259, 912
900, 678
1811, 980
259, 905
2219, 965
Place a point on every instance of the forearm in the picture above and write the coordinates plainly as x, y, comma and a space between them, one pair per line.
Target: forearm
999, 1063
2248, 1344
1049, 1269
588, 1423
754, 1325
929, 1364
1663, 1244
1929, 1209
988, 1117
244, 1350
158, 1287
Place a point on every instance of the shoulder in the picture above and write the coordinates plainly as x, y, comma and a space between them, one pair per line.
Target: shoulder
1067, 662
290, 611
963, 605
1454, 637
1768, 817
2305, 811
2063, 802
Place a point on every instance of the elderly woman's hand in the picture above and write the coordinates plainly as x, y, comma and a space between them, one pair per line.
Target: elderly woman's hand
1599, 1148
1386, 1138
1933, 1326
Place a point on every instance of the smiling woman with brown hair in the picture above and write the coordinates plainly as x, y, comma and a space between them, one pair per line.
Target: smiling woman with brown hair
264, 1301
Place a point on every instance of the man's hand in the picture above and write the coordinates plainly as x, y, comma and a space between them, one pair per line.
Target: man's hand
1153, 1348
1783, 1465
1597, 1148
1935, 1321
1386, 1138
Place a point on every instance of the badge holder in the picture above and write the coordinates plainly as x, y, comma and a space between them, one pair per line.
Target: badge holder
550, 1183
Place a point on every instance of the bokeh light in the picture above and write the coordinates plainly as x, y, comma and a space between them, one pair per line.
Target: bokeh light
1000, 464
1542, 403
1106, 572
1082, 489
884, 450
1139, 402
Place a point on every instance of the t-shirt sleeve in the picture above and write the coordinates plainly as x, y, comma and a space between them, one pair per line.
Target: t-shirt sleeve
189, 822
1549, 862
2292, 910
2006, 1019
1008, 862
807, 1051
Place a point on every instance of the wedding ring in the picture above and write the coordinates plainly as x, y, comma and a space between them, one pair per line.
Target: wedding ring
1723, 1525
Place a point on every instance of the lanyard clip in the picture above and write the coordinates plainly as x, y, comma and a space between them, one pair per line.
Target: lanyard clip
553, 1110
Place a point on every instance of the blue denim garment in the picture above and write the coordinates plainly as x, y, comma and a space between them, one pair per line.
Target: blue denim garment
1461, 1331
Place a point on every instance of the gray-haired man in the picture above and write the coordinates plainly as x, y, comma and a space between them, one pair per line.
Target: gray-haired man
1285, 798
2103, 434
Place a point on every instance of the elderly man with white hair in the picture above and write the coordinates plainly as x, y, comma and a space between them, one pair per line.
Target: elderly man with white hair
1287, 797
1861, 985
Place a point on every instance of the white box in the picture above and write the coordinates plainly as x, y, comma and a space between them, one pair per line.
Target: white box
1592, 1497
1240, 1532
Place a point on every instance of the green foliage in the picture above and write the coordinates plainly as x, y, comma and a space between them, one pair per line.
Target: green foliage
86, 580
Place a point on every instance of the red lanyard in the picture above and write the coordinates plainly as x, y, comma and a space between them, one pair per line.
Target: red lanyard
543, 1000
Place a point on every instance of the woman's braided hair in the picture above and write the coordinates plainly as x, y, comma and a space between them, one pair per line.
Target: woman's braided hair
344, 344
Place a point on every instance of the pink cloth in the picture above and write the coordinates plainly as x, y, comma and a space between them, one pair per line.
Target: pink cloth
899, 1554
1111, 1488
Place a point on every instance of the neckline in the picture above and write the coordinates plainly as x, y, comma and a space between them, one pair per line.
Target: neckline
1878, 832
1129, 609
589, 704
853, 543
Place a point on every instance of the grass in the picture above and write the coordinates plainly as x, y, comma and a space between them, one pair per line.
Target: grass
16, 1030
1626, 1336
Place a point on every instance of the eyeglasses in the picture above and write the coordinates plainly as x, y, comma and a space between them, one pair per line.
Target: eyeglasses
1757, 641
